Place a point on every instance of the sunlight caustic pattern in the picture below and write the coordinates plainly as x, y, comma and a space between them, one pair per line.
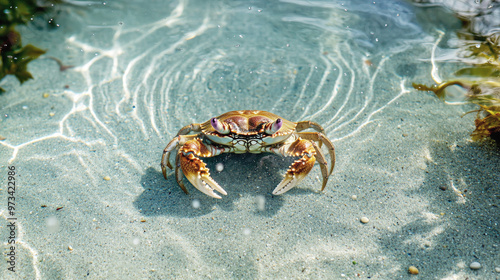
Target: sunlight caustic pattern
149, 87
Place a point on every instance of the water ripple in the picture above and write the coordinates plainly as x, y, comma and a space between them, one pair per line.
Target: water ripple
144, 74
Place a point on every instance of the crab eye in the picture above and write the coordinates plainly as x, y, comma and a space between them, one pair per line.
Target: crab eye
219, 126
271, 128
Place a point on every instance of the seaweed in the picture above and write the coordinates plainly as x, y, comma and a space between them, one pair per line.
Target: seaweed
14, 56
480, 82
486, 94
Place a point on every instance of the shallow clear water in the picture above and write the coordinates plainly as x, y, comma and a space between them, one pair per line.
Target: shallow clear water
143, 71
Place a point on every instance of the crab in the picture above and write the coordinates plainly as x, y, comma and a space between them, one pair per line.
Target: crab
247, 131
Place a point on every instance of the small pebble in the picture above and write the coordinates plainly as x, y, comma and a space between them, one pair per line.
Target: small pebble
2, 138
443, 188
52, 114
475, 265
354, 197
364, 220
45, 95
497, 269
70, 248
412, 270
107, 178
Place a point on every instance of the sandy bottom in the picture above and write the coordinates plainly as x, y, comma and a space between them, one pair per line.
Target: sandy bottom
86, 144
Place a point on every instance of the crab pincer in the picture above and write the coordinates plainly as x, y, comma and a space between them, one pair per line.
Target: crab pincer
299, 168
195, 169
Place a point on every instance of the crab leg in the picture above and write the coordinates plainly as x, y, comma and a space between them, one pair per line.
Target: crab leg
179, 140
323, 164
178, 172
303, 125
321, 138
194, 127
174, 144
195, 169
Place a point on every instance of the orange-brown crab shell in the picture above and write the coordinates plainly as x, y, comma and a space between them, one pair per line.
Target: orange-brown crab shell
247, 123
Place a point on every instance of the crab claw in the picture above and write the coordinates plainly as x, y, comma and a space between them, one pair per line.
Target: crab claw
197, 173
206, 185
299, 168
297, 172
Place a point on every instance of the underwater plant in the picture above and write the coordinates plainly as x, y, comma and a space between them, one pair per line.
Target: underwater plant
14, 56
486, 94
480, 83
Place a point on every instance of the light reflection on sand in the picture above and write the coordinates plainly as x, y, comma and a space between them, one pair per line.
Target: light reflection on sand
136, 85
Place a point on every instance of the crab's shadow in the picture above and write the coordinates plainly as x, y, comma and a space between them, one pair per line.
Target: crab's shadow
254, 175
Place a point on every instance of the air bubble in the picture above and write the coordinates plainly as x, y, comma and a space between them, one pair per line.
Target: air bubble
136, 241
52, 224
261, 203
219, 167
196, 203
